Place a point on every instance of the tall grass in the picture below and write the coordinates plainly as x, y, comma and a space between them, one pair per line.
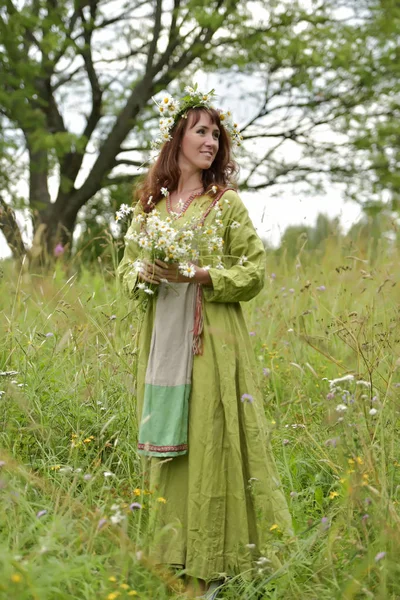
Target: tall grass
70, 482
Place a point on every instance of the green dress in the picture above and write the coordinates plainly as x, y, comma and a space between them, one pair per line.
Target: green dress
222, 497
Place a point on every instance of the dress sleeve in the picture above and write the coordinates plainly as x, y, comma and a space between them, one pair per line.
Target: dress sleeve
125, 272
243, 274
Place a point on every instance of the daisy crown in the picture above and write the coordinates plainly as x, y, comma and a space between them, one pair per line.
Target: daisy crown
171, 110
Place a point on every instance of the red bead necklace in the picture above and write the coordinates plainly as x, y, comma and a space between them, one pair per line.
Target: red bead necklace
186, 204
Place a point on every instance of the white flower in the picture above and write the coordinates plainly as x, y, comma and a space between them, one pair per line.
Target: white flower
250, 546
187, 270
148, 291
150, 200
214, 189
341, 408
164, 191
108, 474
124, 210
340, 379
117, 518
235, 224
2, 392
242, 260
373, 411
365, 383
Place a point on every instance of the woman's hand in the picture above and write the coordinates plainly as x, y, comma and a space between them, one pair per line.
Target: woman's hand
160, 271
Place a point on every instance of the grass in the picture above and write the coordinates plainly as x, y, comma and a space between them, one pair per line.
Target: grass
69, 469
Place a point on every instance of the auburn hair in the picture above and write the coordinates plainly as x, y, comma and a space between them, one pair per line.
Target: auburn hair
165, 172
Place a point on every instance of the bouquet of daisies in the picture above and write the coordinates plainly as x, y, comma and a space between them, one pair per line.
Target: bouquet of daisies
159, 239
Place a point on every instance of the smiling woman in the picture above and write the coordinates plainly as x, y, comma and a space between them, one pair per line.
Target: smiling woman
198, 399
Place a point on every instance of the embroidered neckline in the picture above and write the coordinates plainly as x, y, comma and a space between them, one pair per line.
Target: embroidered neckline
186, 204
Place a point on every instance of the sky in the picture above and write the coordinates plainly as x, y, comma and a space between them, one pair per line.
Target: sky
272, 209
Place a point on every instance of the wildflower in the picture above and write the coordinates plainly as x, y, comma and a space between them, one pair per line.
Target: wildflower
117, 518
133, 593
124, 586
108, 474
2, 392
321, 288
101, 523
164, 191
365, 517
263, 560
55, 467
273, 527
124, 211
49, 334
332, 442
333, 382
266, 372
214, 189
235, 224
364, 383
325, 523
87, 477
333, 495
373, 411
341, 408
161, 500
113, 595
291, 290
290, 330
16, 578
250, 546
379, 556
112, 579
41, 513
273, 276
242, 260
330, 396
293, 494
285, 442
187, 270
58, 250
252, 333
247, 397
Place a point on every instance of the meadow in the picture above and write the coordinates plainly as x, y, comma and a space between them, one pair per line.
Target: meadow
74, 510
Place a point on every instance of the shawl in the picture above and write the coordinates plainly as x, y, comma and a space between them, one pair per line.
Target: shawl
176, 338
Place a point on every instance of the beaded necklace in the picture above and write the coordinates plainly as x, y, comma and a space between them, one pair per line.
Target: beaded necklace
186, 204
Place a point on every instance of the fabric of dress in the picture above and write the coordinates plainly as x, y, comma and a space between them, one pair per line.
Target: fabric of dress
225, 494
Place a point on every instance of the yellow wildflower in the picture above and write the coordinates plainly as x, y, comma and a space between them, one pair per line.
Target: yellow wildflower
124, 586
161, 500
359, 460
133, 593
113, 595
274, 526
16, 578
333, 494
350, 461
112, 579
55, 467
137, 491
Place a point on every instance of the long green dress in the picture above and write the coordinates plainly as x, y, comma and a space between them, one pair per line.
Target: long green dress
225, 494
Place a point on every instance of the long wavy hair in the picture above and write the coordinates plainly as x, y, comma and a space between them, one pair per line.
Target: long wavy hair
165, 172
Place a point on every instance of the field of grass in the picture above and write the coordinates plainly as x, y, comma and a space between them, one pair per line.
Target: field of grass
73, 509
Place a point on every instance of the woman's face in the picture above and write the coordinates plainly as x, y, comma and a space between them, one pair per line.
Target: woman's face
200, 143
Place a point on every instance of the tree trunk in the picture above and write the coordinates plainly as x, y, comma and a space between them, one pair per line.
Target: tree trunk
11, 231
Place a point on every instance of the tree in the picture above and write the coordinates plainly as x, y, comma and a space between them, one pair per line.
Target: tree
78, 78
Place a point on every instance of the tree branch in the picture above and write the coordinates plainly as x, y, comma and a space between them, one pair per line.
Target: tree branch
156, 35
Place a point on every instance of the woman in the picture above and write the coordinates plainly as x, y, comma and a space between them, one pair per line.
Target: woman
220, 482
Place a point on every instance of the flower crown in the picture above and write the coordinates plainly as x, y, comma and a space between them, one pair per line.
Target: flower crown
172, 110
